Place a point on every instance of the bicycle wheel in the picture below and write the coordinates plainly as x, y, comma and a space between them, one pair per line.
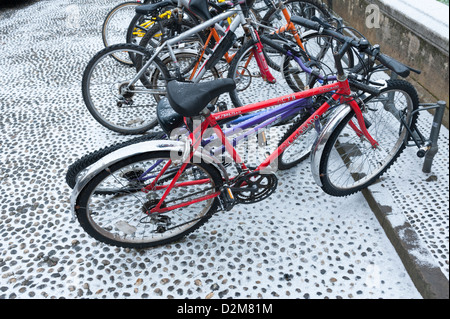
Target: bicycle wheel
299, 150
349, 163
122, 219
115, 26
251, 86
110, 98
76, 170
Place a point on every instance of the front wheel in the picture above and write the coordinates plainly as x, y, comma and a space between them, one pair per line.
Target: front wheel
121, 217
349, 163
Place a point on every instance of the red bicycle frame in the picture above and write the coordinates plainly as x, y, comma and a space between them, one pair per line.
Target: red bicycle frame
341, 93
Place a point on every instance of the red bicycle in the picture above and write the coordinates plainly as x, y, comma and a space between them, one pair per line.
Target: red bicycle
158, 191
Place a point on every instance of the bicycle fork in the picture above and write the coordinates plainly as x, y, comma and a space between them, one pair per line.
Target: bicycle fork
260, 59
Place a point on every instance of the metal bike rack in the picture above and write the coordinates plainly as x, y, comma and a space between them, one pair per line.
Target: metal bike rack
428, 147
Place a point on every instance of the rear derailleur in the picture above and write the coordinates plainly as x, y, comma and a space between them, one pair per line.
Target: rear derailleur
161, 221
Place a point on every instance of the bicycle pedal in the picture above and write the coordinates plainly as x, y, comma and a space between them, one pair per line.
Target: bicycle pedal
262, 139
227, 198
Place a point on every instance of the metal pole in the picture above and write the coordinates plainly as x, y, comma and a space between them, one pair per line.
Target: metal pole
434, 135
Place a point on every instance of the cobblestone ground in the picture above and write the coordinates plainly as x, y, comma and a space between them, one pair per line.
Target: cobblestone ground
301, 243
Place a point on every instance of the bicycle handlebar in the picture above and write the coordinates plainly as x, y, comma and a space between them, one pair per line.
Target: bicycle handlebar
361, 44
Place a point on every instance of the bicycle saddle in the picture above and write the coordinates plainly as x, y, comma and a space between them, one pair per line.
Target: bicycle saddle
200, 8
151, 7
189, 99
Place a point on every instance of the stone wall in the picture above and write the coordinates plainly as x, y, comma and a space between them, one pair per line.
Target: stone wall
407, 40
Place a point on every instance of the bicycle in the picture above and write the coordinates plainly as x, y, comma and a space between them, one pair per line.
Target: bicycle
155, 192
134, 112
246, 70
74, 170
130, 91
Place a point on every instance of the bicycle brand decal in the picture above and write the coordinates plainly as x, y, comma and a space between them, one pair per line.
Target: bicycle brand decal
228, 114
301, 131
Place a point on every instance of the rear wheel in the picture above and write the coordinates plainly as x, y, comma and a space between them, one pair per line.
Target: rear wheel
110, 97
121, 217
76, 170
115, 26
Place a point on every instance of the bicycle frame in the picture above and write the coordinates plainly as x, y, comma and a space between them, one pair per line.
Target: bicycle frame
237, 21
149, 23
196, 76
290, 27
341, 91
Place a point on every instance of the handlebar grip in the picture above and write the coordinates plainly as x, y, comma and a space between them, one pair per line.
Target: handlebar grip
363, 87
306, 23
393, 65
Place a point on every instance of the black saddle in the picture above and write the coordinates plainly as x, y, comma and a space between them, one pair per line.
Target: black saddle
152, 7
189, 99
200, 8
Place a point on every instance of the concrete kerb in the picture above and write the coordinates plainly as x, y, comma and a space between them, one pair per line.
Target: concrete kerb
428, 279
421, 34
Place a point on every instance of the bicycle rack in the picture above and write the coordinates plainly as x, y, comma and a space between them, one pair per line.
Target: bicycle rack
427, 147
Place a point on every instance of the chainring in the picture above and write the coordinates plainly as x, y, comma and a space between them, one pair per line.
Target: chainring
254, 187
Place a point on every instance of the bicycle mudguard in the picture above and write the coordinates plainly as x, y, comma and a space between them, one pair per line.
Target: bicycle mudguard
135, 149
317, 149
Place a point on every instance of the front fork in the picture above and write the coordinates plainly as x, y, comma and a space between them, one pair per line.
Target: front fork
260, 59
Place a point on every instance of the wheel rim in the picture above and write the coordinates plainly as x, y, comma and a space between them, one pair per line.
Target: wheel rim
122, 217
112, 103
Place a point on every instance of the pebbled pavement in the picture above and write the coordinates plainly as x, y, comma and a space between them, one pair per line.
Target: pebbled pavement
299, 244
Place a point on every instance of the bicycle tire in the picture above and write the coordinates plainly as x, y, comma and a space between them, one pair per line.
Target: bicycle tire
110, 102
74, 170
343, 160
122, 220
107, 41
299, 150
